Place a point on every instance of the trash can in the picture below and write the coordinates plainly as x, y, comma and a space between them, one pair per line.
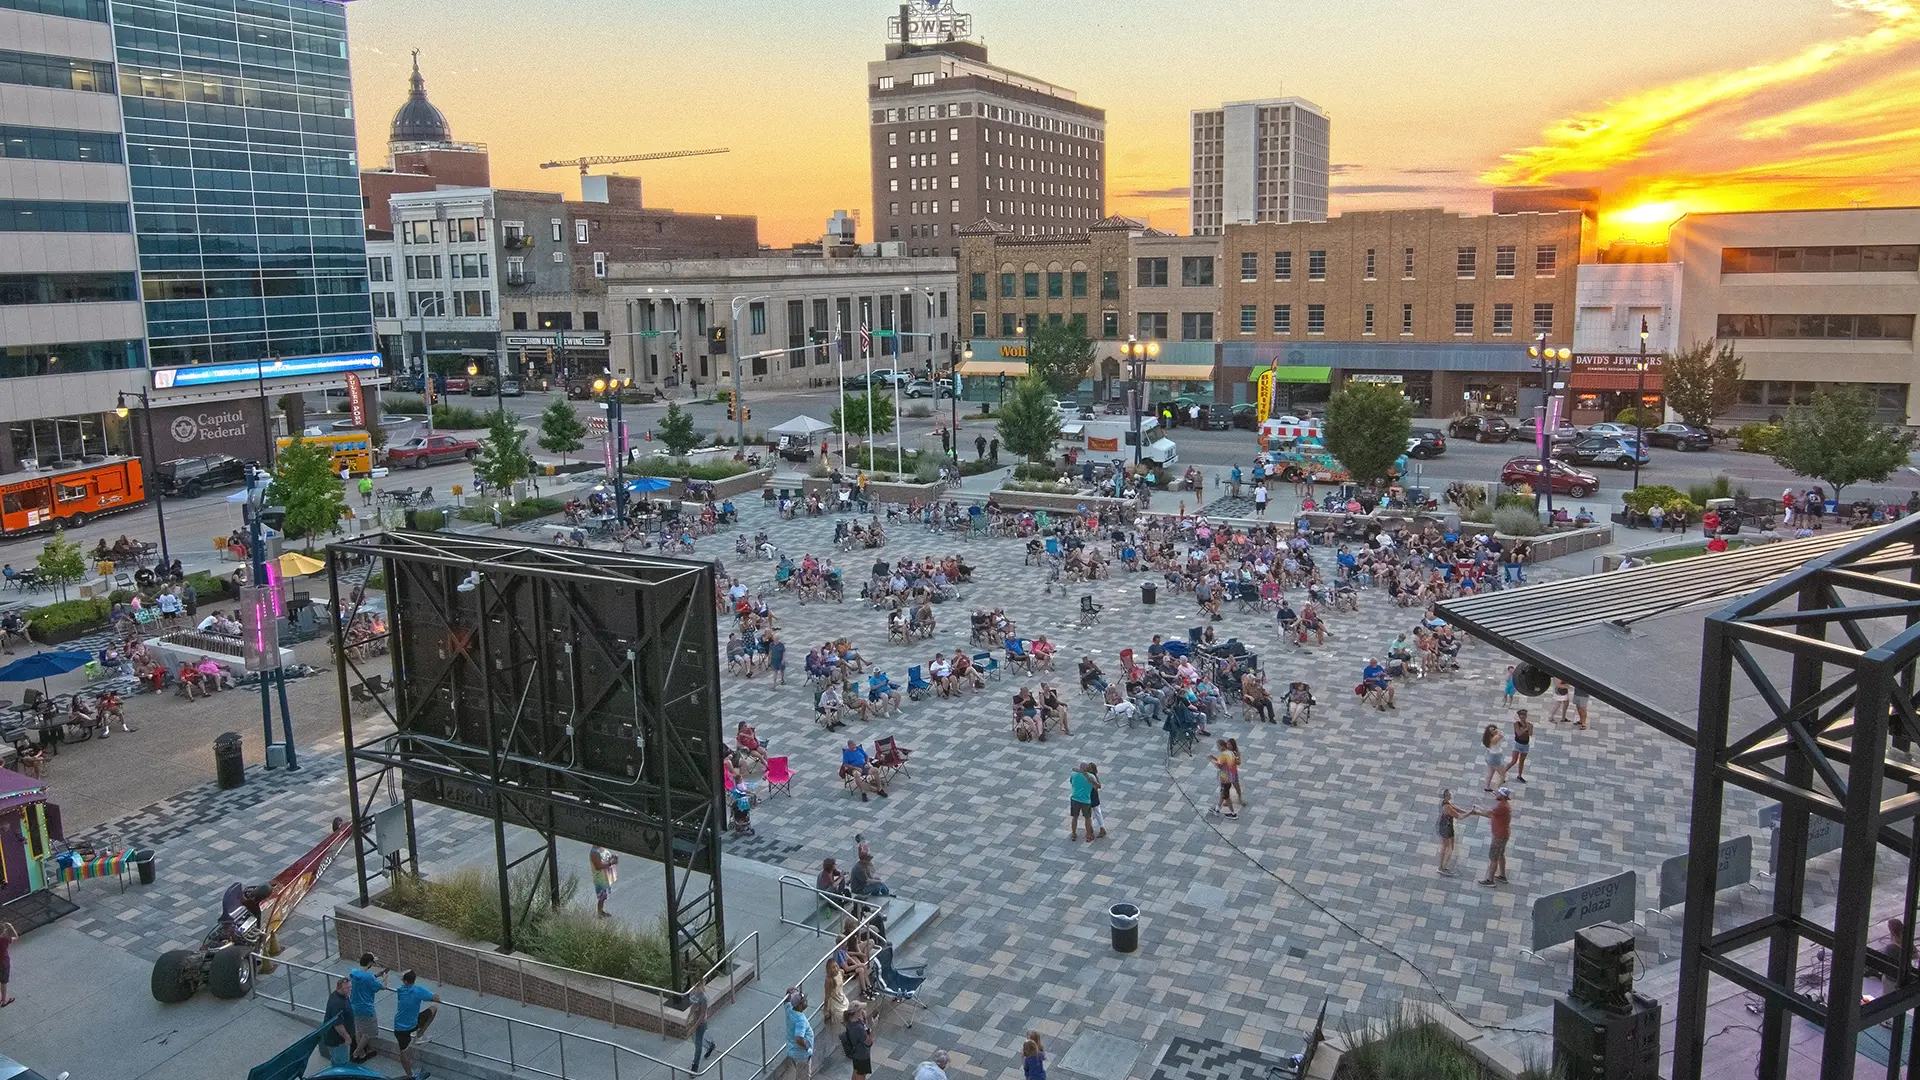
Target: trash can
1148, 591
1126, 927
143, 863
228, 767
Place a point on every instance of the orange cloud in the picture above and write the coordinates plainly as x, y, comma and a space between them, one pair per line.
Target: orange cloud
1831, 124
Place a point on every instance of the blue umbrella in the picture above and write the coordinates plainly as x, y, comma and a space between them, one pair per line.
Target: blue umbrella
649, 483
43, 665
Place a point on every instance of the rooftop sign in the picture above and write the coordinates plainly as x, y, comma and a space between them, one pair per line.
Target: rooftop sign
930, 21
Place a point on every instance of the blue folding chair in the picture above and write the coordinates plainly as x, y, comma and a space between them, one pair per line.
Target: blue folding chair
987, 664
1193, 635
1176, 649
1053, 545
917, 686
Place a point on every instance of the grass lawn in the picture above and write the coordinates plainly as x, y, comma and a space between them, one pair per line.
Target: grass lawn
1688, 552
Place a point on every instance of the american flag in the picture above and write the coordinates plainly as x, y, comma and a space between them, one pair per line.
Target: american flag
866, 337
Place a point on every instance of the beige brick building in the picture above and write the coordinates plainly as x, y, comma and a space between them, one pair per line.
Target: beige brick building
1443, 303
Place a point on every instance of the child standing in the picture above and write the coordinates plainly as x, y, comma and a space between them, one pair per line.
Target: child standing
1522, 742
1033, 1058
1507, 699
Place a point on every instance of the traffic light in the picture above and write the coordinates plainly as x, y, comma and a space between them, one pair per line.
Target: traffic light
729, 410
746, 414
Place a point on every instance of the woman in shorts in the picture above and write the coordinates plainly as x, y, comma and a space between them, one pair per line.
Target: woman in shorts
1496, 757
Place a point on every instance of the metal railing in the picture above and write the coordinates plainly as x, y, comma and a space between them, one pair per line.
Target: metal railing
565, 977
849, 907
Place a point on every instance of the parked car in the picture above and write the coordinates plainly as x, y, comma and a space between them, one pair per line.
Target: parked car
406, 384
1215, 418
1426, 443
1246, 416
424, 450
1529, 431
510, 388
1680, 437
1617, 431
188, 477
1566, 479
936, 388
481, 386
889, 376
1481, 427
1603, 450
858, 382
456, 384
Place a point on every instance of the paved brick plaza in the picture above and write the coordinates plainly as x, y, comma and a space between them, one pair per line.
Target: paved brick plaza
1323, 888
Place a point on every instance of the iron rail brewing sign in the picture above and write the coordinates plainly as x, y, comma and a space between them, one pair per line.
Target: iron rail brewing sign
929, 21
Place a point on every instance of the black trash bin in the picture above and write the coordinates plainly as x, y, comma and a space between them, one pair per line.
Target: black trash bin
143, 863
1126, 927
1148, 592
228, 767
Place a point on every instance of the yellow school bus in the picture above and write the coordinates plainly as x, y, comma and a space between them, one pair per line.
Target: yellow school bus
351, 450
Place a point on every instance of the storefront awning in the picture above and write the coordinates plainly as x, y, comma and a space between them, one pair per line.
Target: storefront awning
1293, 374
1614, 380
1179, 372
978, 368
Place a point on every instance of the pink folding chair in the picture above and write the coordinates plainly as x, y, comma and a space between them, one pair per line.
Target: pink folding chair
779, 776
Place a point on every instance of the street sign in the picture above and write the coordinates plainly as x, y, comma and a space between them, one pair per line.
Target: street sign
1735, 868
1558, 916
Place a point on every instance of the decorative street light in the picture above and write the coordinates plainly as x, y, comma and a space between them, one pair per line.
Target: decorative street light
159, 500
1138, 353
1550, 360
616, 432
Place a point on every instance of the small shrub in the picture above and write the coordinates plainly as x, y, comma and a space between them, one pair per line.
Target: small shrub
119, 596
1648, 496
1758, 438
403, 406
1719, 488
817, 468
208, 587
919, 412
1514, 498
707, 470
723, 396
926, 468
1412, 1047
429, 520
456, 418
377, 580
1036, 473
68, 615
513, 513
1515, 521
976, 467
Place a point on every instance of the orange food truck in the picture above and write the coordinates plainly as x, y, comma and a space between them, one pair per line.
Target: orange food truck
70, 497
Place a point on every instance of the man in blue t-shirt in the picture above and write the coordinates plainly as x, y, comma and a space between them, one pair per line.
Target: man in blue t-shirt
410, 1020
362, 987
336, 1025
1374, 676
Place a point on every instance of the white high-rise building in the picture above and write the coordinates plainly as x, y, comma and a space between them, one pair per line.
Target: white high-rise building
1259, 161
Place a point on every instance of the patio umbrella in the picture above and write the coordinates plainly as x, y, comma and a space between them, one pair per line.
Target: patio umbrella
44, 665
294, 564
649, 483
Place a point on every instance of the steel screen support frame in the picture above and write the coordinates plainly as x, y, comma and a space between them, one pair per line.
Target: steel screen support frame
1823, 752
676, 800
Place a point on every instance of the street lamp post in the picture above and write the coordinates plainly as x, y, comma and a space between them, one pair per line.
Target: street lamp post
616, 432
1137, 353
159, 501
739, 412
1550, 361
1640, 405
953, 399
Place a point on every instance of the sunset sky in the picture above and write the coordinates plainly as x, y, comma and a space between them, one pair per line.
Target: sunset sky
1704, 105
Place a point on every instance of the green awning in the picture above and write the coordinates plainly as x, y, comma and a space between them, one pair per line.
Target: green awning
1293, 374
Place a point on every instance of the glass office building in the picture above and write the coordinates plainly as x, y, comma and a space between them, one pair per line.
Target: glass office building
245, 178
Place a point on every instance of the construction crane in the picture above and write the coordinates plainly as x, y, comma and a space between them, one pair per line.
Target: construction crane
615, 159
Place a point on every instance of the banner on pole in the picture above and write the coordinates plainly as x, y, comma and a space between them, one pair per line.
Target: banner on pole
1263, 397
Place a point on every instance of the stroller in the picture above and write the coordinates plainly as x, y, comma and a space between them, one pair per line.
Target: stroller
740, 807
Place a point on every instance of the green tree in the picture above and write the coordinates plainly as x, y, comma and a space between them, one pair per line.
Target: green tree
854, 423
1702, 381
561, 431
1836, 439
1060, 354
1029, 423
305, 484
1368, 425
61, 561
676, 430
503, 459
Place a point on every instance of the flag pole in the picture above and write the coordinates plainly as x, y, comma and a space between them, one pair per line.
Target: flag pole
866, 349
840, 367
899, 456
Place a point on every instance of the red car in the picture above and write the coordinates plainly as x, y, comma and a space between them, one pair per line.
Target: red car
1566, 479
419, 452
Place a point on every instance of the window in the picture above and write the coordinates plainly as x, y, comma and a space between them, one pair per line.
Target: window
1078, 284
1462, 319
1504, 260
52, 144
1030, 286
893, 185
1006, 286
1546, 260
1406, 320
1316, 318
1150, 273
886, 82
1110, 324
1502, 319
923, 78
37, 215
1872, 327
1283, 318
893, 161
1196, 326
1079, 323
1109, 284
756, 318
1369, 271
426, 304
1406, 263
977, 287
580, 232
1865, 258
554, 320
1056, 285
1543, 318
1153, 325
519, 320
516, 270
1196, 271
1249, 318
1366, 326
1316, 266
94, 10
893, 138
953, 135
1465, 261
56, 72
979, 324
1006, 324
1249, 266
599, 264
373, 271
558, 230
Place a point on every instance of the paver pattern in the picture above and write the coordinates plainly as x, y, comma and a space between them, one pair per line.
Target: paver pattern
1323, 889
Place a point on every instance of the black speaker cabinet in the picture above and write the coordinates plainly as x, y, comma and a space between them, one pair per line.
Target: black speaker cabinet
1603, 966
1600, 1044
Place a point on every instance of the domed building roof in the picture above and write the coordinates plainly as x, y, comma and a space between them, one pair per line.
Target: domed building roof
418, 121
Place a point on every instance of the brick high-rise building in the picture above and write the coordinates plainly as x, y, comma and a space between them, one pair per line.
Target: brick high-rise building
956, 139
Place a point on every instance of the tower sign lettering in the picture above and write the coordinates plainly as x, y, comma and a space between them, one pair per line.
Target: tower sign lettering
930, 21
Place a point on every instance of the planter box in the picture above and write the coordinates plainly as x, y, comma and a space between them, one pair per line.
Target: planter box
438, 956
1010, 499
728, 488
56, 637
877, 491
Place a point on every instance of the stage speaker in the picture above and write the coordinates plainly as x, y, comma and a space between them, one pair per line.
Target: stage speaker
1596, 1044
1603, 967
1530, 680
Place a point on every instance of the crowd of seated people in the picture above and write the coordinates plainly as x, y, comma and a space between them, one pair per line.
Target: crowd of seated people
909, 583
812, 579
853, 536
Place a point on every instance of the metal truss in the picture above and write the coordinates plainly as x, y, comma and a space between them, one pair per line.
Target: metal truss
1844, 631
572, 692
